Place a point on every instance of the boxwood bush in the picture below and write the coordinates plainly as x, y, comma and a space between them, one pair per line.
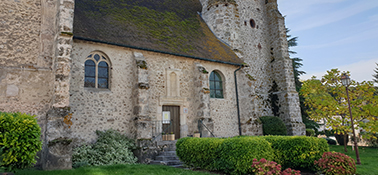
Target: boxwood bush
236, 154
273, 126
19, 140
299, 152
232, 155
199, 152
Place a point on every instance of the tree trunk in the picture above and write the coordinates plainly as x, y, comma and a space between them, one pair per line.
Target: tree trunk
345, 142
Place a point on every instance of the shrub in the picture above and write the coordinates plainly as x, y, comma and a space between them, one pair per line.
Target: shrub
264, 166
330, 141
336, 163
340, 139
236, 154
297, 151
19, 140
290, 171
273, 126
198, 152
310, 132
111, 148
371, 139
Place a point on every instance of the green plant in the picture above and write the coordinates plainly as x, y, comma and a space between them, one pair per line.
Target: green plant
236, 154
297, 151
264, 166
273, 126
330, 141
290, 171
371, 139
310, 132
198, 152
111, 148
19, 140
336, 163
340, 139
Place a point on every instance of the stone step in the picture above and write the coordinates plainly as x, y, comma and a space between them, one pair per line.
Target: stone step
165, 158
168, 153
178, 166
169, 163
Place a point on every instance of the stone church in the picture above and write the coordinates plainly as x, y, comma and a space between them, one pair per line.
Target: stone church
143, 67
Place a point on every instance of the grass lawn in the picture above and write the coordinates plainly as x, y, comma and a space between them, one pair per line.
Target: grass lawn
138, 169
368, 157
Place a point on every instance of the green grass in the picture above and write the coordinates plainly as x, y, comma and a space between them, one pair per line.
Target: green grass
137, 169
368, 157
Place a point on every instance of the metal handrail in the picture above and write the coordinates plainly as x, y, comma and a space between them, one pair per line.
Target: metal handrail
199, 127
154, 137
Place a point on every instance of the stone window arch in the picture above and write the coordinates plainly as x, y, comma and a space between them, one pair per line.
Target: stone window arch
97, 71
216, 84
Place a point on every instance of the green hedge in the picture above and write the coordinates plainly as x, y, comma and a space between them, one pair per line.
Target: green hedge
198, 152
232, 155
273, 126
236, 154
298, 152
19, 140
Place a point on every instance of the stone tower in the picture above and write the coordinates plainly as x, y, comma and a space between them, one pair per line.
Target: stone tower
255, 30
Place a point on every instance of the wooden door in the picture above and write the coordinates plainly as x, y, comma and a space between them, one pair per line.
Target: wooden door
175, 120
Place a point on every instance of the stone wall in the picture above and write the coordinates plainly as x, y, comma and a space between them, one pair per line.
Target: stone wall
95, 109
256, 31
35, 66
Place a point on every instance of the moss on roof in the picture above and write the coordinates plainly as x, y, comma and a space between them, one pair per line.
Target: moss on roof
172, 26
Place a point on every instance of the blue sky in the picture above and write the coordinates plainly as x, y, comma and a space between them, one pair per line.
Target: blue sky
331, 34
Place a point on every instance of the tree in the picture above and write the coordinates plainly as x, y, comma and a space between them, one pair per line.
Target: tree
326, 99
292, 42
375, 79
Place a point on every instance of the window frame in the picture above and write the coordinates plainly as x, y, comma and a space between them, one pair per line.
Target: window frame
103, 58
216, 88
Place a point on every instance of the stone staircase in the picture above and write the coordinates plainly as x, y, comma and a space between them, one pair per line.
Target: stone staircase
168, 155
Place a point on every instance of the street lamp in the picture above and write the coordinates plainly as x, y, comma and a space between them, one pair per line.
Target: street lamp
345, 80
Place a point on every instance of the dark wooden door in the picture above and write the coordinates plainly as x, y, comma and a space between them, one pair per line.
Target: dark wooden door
175, 120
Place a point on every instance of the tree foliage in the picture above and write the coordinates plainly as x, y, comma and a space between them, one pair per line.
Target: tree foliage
327, 100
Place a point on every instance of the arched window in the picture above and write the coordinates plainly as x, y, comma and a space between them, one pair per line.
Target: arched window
97, 71
216, 86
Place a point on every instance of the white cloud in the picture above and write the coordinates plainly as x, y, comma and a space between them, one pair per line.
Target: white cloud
328, 18
360, 71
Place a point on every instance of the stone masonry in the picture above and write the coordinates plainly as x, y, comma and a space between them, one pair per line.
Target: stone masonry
42, 73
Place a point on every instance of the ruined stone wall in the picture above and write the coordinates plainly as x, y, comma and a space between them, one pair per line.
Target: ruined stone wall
255, 30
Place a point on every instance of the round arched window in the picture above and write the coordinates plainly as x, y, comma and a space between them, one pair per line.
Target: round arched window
216, 85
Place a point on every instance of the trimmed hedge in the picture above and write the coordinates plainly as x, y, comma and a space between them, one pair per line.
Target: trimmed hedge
198, 152
232, 155
19, 140
273, 126
235, 155
299, 152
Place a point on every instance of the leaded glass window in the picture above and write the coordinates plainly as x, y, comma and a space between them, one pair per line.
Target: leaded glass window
216, 85
96, 71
